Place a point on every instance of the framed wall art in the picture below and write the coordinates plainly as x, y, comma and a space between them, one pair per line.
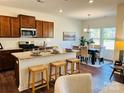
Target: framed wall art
69, 36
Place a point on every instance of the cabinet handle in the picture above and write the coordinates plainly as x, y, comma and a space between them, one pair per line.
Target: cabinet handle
17, 62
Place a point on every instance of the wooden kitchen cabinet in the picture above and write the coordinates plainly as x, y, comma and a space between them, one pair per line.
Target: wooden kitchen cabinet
45, 29
39, 28
5, 26
51, 29
48, 29
27, 21
14, 22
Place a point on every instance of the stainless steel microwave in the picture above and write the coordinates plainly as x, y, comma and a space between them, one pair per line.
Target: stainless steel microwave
28, 32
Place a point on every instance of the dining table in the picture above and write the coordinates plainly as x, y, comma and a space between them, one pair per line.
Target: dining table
93, 52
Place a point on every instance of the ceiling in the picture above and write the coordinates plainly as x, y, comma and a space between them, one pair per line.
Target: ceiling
78, 9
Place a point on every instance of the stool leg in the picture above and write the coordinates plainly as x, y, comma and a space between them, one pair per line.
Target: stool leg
33, 82
65, 68
59, 71
67, 65
55, 73
29, 79
50, 72
47, 79
72, 68
79, 67
112, 74
42, 77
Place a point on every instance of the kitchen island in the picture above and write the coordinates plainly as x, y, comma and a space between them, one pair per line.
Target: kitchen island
26, 59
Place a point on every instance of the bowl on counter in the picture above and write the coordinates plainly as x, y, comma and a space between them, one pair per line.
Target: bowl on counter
55, 51
36, 52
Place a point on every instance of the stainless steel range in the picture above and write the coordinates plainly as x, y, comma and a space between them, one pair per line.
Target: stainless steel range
27, 45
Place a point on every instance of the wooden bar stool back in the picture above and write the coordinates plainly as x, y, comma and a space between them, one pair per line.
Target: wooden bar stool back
33, 70
73, 62
57, 66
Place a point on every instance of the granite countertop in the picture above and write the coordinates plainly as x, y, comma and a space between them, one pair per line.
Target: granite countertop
23, 55
29, 54
11, 49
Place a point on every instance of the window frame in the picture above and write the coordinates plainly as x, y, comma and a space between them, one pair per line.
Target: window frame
101, 39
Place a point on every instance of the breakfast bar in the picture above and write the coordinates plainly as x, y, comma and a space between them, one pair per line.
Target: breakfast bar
26, 59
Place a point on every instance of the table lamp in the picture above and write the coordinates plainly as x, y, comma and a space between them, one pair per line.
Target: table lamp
120, 46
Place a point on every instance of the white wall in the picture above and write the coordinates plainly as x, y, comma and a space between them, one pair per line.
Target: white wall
61, 24
120, 28
100, 23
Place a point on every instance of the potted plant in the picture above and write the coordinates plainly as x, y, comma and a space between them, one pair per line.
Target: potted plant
84, 42
90, 41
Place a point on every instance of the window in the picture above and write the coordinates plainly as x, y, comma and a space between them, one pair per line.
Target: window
95, 35
103, 36
108, 37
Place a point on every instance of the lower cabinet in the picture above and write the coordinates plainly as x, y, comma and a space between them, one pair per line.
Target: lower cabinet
6, 59
10, 62
6, 62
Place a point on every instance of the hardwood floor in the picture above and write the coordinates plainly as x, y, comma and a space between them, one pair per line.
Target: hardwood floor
100, 77
7, 82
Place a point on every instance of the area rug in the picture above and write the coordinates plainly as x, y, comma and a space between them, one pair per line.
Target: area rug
97, 64
113, 87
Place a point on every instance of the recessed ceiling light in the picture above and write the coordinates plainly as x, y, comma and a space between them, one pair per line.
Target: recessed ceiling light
89, 15
91, 1
41, 1
60, 10
66, 0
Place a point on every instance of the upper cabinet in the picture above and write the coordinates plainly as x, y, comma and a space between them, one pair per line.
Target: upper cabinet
14, 22
10, 26
5, 26
39, 28
27, 21
44, 29
48, 29
51, 29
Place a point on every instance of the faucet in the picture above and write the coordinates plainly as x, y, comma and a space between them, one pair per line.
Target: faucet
44, 46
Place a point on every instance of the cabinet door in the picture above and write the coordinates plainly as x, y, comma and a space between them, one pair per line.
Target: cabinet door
45, 29
14, 21
27, 21
51, 30
5, 26
48, 29
39, 28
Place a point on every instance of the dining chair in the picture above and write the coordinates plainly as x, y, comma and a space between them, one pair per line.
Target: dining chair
76, 83
98, 54
90, 46
77, 50
117, 67
97, 47
75, 47
84, 54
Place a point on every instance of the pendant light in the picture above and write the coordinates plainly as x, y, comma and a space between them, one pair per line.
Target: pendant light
86, 30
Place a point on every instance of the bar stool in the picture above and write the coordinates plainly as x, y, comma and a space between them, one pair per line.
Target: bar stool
57, 65
73, 62
43, 69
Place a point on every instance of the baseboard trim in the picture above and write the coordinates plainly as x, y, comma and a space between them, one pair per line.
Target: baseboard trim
109, 60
